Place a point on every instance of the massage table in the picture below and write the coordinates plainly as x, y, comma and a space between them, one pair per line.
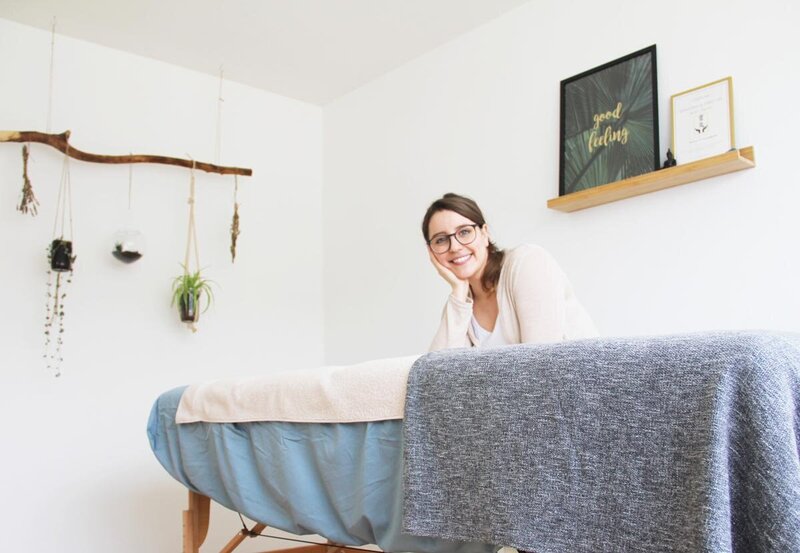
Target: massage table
647, 444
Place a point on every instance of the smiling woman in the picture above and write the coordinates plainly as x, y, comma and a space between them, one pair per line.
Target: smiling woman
497, 298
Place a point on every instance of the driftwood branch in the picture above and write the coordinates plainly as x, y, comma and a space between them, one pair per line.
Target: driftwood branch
61, 142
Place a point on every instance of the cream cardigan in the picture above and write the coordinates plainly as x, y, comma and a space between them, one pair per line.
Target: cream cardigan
535, 301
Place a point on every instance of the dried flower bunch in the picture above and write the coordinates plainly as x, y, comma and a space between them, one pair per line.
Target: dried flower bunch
234, 231
28, 203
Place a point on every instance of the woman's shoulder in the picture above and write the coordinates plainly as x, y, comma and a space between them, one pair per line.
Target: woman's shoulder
528, 271
528, 260
525, 252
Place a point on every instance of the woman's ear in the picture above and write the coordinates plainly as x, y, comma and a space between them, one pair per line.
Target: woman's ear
485, 229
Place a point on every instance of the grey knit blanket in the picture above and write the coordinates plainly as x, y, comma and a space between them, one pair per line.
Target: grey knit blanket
677, 443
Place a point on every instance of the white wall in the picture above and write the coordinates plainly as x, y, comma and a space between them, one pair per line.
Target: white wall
479, 116
76, 471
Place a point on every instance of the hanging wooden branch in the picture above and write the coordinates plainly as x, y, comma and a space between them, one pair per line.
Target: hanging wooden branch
61, 142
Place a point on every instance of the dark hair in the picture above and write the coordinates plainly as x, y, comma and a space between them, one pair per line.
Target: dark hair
466, 207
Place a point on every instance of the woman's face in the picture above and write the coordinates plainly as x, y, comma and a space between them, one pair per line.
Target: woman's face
465, 261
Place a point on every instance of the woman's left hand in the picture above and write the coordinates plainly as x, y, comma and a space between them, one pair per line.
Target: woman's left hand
460, 287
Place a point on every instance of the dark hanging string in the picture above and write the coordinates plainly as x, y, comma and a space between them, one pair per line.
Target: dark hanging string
252, 534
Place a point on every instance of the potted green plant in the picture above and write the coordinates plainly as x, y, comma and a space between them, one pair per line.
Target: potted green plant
188, 290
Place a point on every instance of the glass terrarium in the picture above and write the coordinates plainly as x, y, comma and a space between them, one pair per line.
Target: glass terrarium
129, 245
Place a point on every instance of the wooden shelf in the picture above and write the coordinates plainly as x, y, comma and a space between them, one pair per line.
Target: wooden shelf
728, 162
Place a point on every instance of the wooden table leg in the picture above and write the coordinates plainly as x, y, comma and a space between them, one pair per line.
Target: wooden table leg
195, 522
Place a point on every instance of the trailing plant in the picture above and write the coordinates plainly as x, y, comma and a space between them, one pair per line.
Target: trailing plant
57, 284
188, 292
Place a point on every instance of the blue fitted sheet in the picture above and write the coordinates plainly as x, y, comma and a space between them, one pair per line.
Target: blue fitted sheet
341, 481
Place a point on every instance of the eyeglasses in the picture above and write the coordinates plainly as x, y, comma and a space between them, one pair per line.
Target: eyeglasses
465, 234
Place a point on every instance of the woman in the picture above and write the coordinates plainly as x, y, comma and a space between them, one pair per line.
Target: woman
497, 298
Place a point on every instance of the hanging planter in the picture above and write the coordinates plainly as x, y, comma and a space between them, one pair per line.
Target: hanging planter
128, 246
189, 292
61, 261
128, 242
61, 257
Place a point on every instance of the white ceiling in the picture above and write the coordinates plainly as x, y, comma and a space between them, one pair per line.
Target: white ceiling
312, 50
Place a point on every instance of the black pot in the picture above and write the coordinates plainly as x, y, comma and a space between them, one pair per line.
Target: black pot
61, 257
188, 307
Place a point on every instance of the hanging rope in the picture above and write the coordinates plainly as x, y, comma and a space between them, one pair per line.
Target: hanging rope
50, 86
192, 231
130, 186
191, 239
218, 138
64, 201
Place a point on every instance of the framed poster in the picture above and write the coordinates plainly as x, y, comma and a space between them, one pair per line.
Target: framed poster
609, 123
702, 121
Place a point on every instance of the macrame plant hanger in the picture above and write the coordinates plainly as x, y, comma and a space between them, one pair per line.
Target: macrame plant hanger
192, 246
61, 260
64, 205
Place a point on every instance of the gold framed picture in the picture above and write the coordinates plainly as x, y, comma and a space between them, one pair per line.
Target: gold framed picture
609, 123
702, 121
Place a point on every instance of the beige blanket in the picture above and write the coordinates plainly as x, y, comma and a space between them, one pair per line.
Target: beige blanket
371, 391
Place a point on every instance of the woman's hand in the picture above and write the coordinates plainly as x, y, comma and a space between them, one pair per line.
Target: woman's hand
460, 287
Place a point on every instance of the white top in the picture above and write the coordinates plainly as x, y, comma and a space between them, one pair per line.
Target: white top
486, 338
536, 304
